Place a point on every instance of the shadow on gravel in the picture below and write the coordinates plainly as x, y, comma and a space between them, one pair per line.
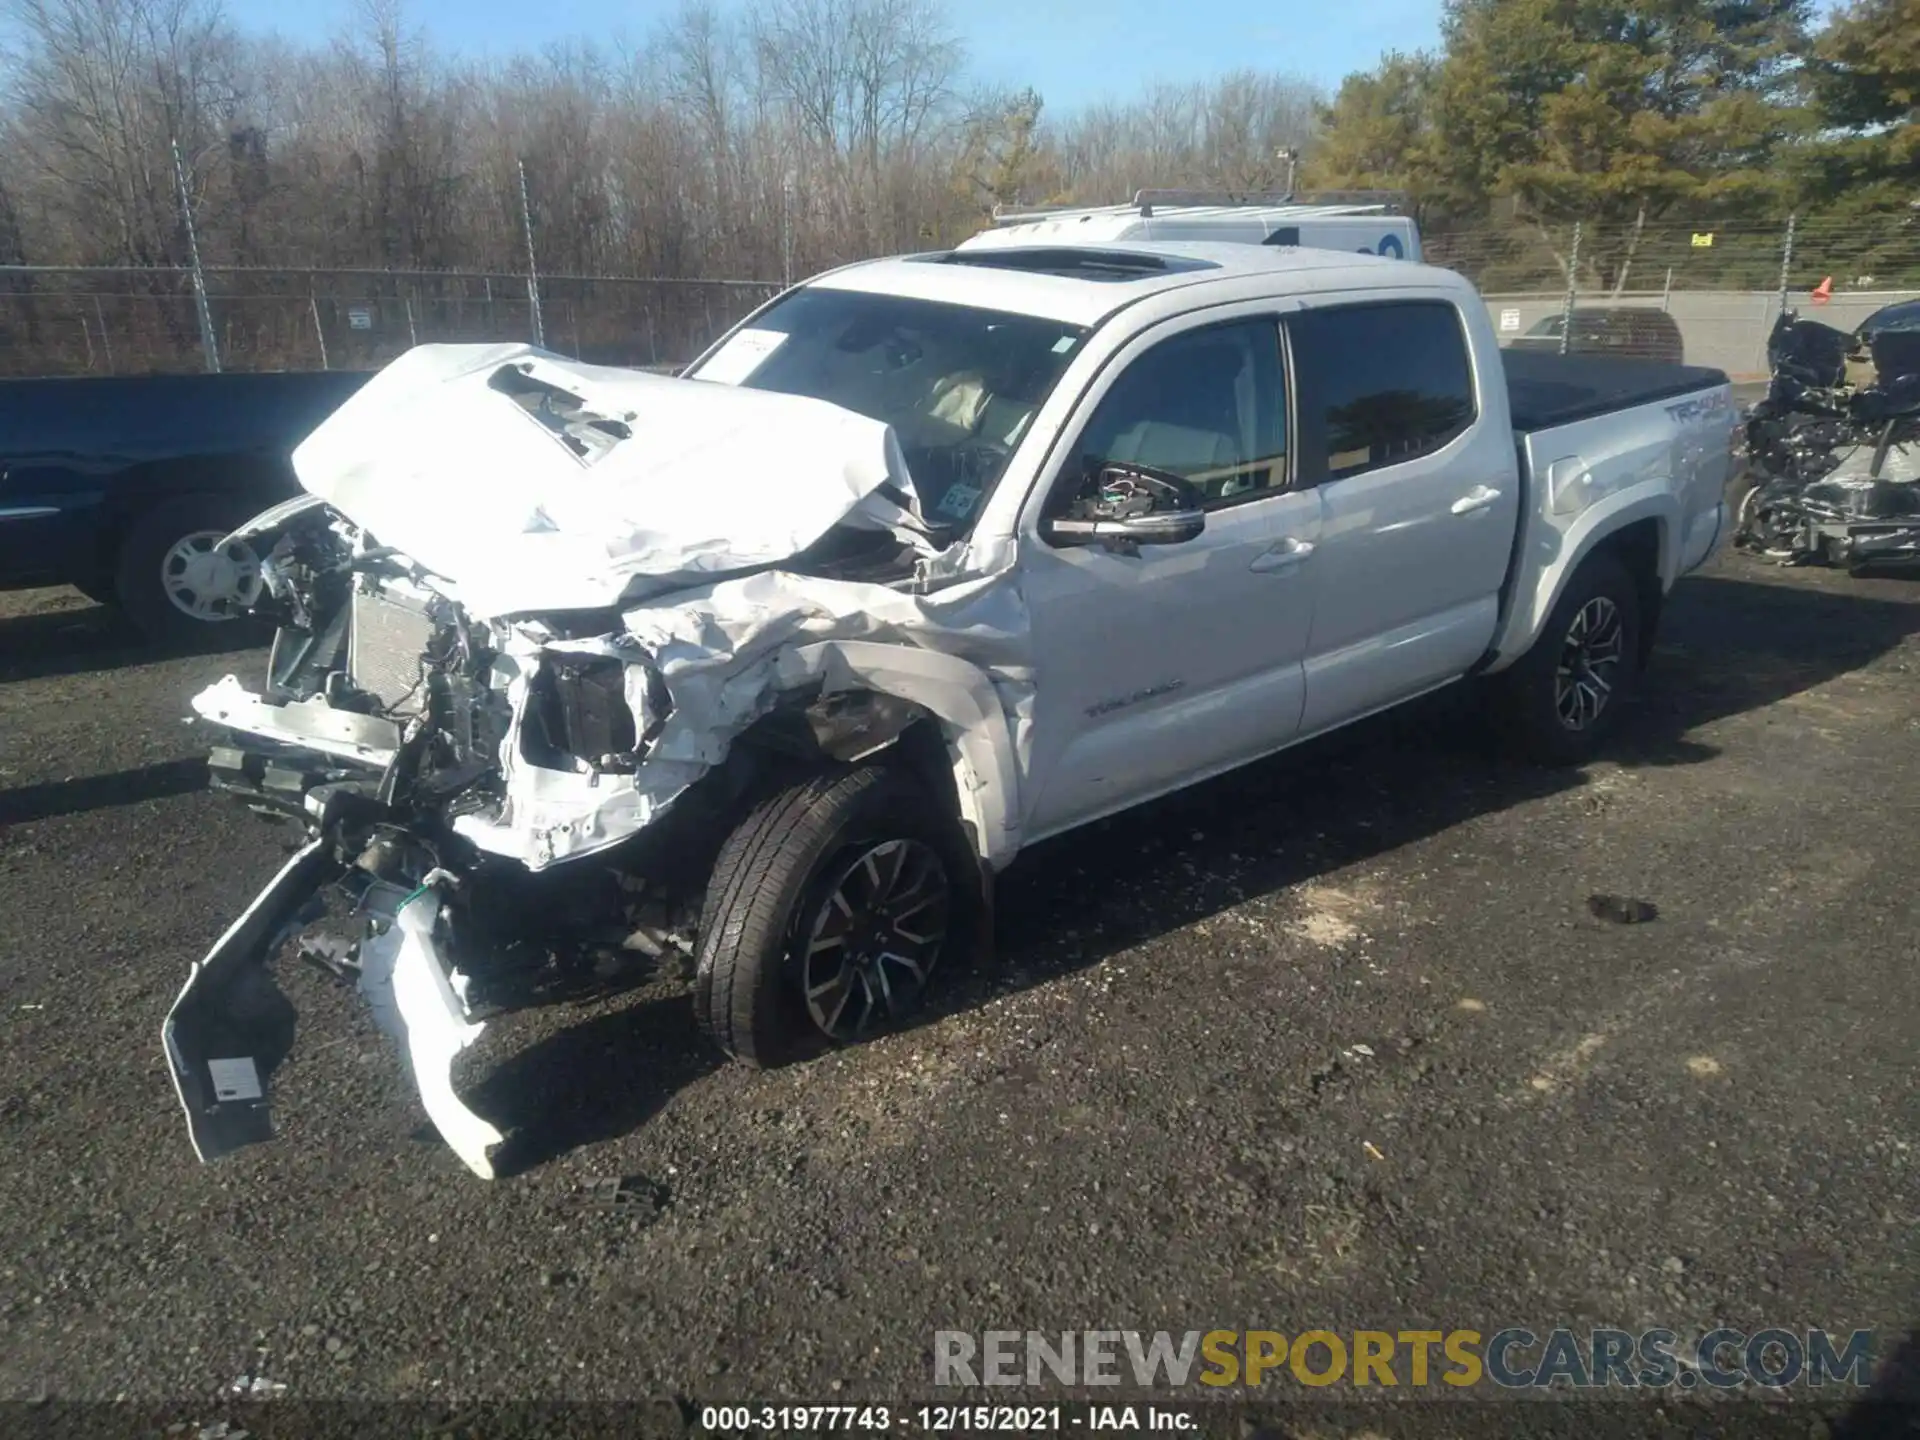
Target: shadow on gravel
1728, 646
596, 1081
96, 637
28, 803
1892, 1406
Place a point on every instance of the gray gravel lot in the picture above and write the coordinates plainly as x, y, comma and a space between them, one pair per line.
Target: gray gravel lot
1330, 1043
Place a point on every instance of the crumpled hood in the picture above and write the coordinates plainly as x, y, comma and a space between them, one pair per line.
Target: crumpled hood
532, 482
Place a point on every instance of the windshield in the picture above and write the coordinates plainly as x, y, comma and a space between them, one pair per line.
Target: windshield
958, 385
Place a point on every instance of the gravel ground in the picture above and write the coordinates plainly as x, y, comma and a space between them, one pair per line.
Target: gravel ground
1335, 1043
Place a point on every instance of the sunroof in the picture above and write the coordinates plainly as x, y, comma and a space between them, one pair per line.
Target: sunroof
1074, 264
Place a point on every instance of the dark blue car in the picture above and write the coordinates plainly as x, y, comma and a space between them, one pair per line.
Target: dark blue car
127, 486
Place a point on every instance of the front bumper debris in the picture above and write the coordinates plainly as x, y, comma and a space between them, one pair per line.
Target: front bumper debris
409, 982
310, 724
232, 1026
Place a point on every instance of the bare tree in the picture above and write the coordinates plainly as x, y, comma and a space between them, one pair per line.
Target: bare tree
99, 91
730, 142
870, 85
1225, 133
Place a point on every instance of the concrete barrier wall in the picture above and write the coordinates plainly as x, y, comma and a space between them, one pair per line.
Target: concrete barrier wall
1724, 329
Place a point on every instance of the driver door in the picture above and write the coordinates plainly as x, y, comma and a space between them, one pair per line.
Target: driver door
1161, 665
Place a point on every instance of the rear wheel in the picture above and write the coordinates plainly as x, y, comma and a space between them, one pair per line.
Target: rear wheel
829, 911
1562, 700
176, 580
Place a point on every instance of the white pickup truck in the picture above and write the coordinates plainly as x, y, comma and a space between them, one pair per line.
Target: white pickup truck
771, 666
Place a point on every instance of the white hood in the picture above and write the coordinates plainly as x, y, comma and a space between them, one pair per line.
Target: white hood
432, 458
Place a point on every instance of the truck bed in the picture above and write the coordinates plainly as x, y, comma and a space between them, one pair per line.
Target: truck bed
1545, 390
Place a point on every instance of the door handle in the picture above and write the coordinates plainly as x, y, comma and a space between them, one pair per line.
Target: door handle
1284, 556
1478, 498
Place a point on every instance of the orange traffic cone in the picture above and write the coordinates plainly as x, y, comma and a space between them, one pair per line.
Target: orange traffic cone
1823, 292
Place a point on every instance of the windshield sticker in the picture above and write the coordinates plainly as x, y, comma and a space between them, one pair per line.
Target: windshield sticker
1064, 344
734, 362
959, 501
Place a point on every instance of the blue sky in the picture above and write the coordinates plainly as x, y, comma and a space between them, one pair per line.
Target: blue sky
1073, 51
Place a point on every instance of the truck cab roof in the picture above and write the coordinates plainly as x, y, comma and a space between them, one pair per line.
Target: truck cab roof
1083, 284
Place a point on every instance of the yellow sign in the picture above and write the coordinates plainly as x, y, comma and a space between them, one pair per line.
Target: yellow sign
1703, 242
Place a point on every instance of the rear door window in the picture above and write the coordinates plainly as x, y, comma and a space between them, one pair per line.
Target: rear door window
1378, 384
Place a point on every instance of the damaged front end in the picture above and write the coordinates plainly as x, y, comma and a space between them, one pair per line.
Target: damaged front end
420, 752
545, 633
1860, 508
1840, 464
1852, 517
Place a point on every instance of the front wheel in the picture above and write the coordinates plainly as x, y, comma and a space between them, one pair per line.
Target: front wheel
829, 910
1561, 701
178, 576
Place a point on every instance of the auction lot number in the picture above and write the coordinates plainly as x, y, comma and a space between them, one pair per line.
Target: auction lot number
746, 1419
741, 1419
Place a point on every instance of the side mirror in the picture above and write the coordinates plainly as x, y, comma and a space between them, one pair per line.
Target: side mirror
1128, 506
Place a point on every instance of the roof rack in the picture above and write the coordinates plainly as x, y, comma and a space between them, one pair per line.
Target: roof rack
1335, 202
1145, 200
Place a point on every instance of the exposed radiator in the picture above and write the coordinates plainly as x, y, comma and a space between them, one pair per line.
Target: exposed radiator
384, 647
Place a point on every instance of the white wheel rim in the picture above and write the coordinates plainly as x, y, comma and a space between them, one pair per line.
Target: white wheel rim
209, 581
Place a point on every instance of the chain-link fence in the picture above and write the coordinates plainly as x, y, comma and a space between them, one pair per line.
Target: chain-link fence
1876, 252
1724, 330
1704, 293
68, 321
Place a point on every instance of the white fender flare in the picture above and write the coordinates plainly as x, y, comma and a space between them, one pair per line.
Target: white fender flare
1551, 557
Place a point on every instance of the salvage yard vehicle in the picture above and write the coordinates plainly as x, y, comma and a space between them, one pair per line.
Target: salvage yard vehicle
1834, 445
126, 486
774, 665
1639, 331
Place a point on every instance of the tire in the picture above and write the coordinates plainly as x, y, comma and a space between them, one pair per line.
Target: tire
770, 917
1600, 610
172, 578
